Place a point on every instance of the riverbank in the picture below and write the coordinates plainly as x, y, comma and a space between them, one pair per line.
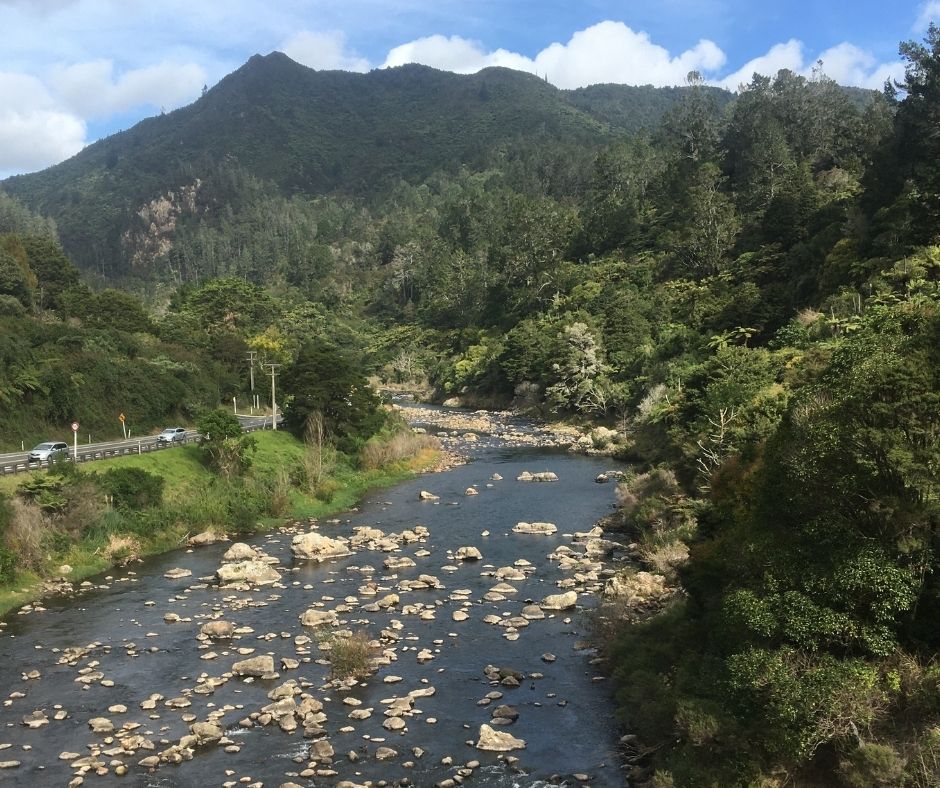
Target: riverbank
455, 427
223, 663
194, 500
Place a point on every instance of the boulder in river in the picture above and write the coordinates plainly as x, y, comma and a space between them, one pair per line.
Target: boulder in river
206, 732
424, 495
497, 741
202, 539
317, 618
468, 554
254, 572
260, 666
541, 476
317, 547
217, 629
239, 552
560, 601
535, 528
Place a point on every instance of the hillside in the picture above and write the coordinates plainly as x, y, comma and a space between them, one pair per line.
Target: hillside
320, 132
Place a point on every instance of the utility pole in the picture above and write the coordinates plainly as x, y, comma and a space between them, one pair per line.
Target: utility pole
252, 354
272, 368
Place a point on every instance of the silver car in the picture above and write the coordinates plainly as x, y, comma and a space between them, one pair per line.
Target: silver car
172, 435
51, 450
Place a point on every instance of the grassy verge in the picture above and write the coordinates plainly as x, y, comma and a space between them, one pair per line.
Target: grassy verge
194, 500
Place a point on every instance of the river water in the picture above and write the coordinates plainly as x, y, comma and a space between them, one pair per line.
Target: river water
566, 716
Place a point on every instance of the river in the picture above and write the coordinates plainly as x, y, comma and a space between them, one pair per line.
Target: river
565, 710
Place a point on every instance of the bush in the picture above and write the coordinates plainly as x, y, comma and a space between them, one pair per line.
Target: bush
226, 447
121, 549
871, 765
350, 656
26, 534
403, 445
8, 564
133, 488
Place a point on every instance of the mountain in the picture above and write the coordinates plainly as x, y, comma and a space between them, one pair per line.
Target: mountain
320, 132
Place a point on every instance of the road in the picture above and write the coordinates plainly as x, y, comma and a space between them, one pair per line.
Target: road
16, 462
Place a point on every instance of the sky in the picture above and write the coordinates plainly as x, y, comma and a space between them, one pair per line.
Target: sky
73, 71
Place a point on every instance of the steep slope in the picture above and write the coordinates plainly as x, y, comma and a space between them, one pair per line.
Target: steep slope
317, 132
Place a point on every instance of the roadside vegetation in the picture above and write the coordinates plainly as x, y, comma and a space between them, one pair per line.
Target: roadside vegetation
91, 517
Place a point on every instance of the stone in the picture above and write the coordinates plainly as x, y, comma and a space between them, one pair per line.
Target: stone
217, 629
251, 572
470, 491
318, 618
202, 539
424, 495
497, 741
317, 547
468, 554
239, 552
101, 725
535, 528
560, 601
320, 750
177, 573
206, 732
254, 666
35, 720
398, 562
541, 476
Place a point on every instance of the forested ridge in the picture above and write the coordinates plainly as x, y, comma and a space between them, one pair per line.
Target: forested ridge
746, 290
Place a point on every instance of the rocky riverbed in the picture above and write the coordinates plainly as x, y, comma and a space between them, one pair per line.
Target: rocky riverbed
214, 665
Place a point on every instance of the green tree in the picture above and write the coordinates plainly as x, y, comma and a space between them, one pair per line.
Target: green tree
325, 379
227, 449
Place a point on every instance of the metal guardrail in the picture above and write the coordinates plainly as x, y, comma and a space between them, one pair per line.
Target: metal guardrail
142, 446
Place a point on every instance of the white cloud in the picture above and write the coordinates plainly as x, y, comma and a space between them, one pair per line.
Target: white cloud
929, 12
453, 53
849, 65
605, 52
324, 51
90, 89
846, 63
34, 131
788, 55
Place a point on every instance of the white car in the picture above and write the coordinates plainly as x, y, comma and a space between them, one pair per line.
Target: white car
172, 435
51, 450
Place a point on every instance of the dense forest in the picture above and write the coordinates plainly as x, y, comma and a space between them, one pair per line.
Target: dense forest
746, 289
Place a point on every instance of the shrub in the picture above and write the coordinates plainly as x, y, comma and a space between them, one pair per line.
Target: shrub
26, 534
133, 488
402, 445
121, 549
8, 564
226, 448
871, 765
279, 486
350, 655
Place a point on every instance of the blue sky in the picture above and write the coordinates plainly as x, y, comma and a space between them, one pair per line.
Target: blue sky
72, 71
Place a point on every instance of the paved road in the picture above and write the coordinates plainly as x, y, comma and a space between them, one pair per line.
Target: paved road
17, 461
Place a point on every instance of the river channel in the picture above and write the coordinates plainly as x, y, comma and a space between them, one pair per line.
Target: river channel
564, 705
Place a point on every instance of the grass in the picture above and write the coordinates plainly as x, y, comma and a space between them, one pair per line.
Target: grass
196, 499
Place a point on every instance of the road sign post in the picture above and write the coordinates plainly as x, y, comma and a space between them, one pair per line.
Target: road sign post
123, 425
75, 441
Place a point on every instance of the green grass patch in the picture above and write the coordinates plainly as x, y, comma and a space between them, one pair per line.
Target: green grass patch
195, 499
